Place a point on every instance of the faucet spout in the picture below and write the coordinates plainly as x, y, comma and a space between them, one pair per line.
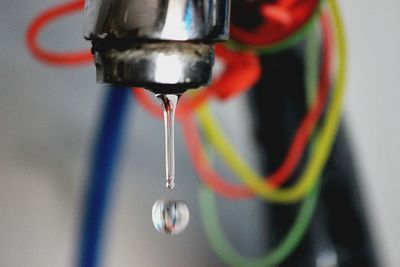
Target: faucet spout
163, 45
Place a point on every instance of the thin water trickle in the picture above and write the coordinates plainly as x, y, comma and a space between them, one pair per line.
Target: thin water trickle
170, 216
169, 102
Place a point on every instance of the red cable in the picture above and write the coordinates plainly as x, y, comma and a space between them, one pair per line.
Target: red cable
217, 183
307, 126
55, 58
281, 19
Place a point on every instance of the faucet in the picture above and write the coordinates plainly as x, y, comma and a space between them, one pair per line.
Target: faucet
165, 46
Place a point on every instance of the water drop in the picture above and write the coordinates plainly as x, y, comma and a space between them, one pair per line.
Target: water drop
168, 102
170, 216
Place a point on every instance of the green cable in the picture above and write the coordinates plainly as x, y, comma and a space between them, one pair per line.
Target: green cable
311, 65
228, 254
208, 206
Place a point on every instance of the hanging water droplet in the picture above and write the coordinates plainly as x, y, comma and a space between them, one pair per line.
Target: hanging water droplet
170, 216
168, 102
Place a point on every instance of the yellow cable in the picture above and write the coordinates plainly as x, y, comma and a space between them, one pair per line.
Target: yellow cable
323, 144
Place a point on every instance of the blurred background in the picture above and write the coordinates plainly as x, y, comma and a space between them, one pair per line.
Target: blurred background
48, 120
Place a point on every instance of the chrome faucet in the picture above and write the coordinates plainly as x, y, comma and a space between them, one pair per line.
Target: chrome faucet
163, 45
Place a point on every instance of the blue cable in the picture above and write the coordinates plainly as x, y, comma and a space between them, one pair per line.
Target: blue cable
101, 173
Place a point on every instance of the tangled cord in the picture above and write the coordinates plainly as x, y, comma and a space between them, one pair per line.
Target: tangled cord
213, 230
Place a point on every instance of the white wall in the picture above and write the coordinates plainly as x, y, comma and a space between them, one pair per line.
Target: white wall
372, 106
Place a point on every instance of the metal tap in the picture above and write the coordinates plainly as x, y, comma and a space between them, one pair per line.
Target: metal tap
163, 45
